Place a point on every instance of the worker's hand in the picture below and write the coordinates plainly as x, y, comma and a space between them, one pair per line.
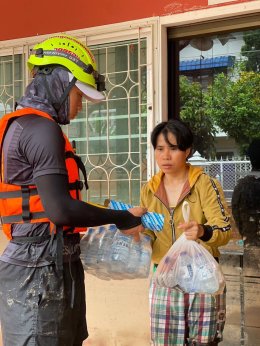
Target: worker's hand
192, 230
135, 231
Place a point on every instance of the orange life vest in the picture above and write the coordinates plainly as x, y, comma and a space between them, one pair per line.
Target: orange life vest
22, 204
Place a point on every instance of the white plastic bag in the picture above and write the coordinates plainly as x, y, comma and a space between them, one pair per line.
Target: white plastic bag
190, 267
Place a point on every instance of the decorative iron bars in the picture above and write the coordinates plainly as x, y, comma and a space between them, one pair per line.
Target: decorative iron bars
228, 172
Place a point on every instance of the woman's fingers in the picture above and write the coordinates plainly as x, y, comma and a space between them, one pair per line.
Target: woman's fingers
137, 211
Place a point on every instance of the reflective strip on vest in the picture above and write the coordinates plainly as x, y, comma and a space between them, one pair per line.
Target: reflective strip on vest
17, 193
18, 218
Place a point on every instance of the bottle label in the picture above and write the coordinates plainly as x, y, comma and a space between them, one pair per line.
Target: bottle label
187, 271
120, 249
205, 273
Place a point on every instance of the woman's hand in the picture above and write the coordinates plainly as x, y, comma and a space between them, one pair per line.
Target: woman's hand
192, 230
137, 211
135, 232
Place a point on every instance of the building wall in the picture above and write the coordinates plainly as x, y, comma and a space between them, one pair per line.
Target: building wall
117, 312
29, 18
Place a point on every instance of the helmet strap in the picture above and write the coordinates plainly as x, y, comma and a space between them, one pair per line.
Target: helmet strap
66, 91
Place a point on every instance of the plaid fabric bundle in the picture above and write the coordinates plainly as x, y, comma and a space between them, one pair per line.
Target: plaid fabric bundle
179, 318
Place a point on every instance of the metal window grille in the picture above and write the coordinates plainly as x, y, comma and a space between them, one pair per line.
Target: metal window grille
111, 137
228, 172
12, 81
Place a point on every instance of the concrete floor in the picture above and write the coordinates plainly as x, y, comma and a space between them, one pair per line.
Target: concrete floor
130, 326
243, 296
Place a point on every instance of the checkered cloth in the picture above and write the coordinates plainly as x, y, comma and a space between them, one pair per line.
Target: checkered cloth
179, 318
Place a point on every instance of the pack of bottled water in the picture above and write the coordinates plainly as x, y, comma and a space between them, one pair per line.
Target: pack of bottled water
109, 254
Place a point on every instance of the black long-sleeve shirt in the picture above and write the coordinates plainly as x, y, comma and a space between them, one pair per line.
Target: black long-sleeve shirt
33, 153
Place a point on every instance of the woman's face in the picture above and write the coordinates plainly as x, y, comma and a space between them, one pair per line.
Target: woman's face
75, 102
169, 158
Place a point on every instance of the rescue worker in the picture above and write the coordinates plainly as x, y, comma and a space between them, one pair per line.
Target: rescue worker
42, 293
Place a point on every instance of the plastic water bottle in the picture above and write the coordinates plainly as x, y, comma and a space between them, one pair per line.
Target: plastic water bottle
91, 258
85, 244
105, 249
205, 279
186, 272
120, 254
134, 259
145, 257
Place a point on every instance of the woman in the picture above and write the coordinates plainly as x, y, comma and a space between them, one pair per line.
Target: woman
176, 182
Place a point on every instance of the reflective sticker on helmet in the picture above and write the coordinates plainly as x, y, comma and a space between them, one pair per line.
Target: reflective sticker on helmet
90, 54
67, 51
78, 42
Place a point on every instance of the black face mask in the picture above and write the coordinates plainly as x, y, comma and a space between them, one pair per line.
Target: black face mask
48, 69
46, 91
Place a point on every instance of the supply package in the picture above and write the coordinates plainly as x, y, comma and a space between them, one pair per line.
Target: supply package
189, 267
109, 254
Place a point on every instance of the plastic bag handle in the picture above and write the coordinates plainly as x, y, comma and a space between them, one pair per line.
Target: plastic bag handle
186, 211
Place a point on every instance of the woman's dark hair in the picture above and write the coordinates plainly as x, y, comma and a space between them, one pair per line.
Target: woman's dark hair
178, 128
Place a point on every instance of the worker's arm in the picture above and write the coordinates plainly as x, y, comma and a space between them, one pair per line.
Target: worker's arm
42, 144
61, 209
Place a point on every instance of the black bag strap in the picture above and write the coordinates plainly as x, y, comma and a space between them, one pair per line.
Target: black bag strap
80, 164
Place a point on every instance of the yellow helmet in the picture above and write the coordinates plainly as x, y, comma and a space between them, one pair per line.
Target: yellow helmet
67, 51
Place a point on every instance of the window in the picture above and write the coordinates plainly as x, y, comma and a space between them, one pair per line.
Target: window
110, 137
11, 81
217, 91
206, 65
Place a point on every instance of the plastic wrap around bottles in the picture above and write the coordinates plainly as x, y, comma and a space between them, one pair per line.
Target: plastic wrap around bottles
108, 254
150, 220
